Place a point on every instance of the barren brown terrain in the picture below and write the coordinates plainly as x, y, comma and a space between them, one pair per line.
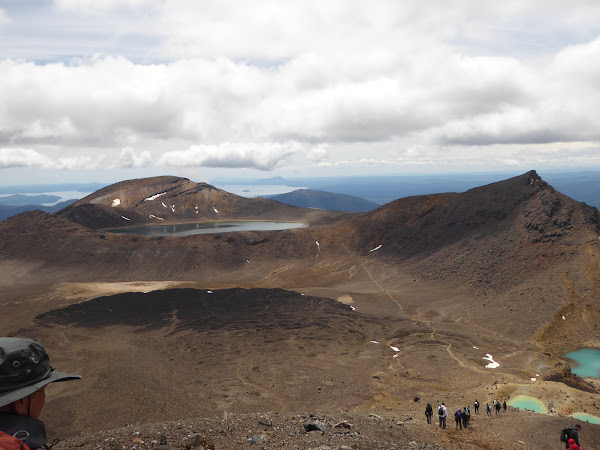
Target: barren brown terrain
351, 318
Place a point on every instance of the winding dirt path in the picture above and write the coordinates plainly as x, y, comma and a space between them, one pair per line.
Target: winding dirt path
382, 289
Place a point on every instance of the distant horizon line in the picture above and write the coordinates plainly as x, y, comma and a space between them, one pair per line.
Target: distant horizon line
295, 177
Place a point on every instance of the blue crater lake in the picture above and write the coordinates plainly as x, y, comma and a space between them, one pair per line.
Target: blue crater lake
588, 360
186, 229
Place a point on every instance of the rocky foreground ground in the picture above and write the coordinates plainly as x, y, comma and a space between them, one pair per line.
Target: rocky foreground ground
339, 430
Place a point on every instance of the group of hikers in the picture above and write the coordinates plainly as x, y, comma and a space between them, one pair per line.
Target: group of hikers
569, 436
25, 371
462, 415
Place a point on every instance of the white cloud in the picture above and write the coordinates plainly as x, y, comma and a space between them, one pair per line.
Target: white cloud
3, 18
233, 155
318, 153
94, 6
511, 162
20, 157
128, 158
348, 83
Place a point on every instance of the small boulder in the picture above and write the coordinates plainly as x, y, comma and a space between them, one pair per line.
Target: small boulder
315, 425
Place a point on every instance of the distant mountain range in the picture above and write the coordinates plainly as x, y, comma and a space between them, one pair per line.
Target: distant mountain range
581, 186
7, 211
310, 198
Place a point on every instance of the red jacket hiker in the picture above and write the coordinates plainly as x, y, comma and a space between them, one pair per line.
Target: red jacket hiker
8, 442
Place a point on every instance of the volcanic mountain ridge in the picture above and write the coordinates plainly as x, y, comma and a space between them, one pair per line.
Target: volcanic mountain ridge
172, 199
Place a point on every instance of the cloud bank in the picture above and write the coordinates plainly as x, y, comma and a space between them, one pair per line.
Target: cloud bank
269, 85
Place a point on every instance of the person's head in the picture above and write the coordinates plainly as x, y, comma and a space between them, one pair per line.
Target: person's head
578, 427
25, 372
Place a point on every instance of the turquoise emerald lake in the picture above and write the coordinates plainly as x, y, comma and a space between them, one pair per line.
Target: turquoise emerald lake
586, 417
528, 403
588, 360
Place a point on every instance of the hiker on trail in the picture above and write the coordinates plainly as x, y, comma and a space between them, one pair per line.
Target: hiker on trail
504, 405
488, 409
428, 412
570, 433
24, 373
466, 415
498, 405
443, 415
458, 418
476, 405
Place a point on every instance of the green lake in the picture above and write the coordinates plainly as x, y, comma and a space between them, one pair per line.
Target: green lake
588, 362
528, 403
185, 229
586, 417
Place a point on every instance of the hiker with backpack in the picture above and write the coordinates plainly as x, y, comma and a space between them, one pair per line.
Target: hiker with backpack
443, 415
497, 405
466, 415
428, 413
458, 418
571, 433
476, 405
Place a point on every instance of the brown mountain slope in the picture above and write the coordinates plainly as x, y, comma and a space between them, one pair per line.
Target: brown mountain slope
172, 199
488, 237
523, 249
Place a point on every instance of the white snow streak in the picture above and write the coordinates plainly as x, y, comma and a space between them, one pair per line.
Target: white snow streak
154, 197
476, 347
353, 308
123, 217
533, 379
376, 248
396, 349
209, 292
173, 208
152, 216
163, 203
216, 210
116, 202
375, 342
493, 364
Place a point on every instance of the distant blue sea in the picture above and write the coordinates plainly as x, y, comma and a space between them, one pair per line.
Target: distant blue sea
257, 190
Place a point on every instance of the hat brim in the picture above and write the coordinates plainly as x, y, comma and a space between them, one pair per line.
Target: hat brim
8, 397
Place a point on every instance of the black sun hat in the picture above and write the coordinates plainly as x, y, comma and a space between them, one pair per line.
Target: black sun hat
24, 369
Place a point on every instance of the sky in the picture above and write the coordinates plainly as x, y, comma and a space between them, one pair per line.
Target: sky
111, 90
